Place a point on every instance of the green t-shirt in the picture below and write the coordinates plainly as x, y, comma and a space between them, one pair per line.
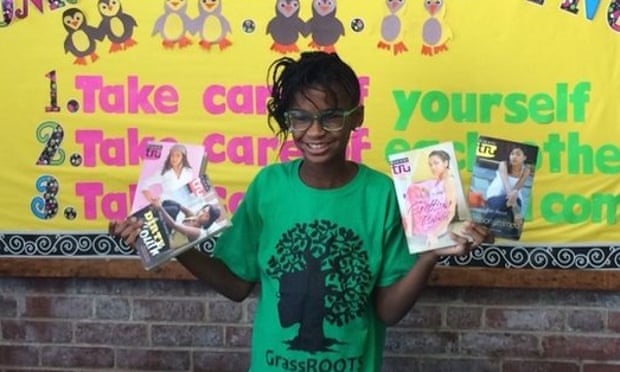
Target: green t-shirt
317, 254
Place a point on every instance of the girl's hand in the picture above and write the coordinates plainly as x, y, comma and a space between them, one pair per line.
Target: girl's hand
126, 230
468, 239
511, 198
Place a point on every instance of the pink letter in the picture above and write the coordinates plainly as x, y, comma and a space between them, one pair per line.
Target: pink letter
89, 191
164, 95
89, 139
209, 143
88, 85
208, 99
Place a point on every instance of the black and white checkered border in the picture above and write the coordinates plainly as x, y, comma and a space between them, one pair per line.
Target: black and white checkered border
493, 256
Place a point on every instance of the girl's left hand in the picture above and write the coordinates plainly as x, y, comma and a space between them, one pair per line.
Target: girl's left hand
472, 236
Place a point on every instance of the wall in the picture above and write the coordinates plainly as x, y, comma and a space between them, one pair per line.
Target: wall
130, 325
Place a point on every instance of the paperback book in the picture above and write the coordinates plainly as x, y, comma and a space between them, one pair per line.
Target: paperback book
430, 196
166, 166
185, 218
500, 191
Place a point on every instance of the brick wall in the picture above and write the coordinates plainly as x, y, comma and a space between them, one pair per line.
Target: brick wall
131, 325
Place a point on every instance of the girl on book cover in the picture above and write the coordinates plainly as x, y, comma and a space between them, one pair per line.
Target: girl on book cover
175, 173
182, 220
503, 196
432, 202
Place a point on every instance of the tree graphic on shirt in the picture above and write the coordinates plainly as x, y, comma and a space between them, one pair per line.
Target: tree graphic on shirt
324, 275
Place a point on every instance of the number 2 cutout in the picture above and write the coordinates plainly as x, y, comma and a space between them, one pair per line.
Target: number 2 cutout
50, 134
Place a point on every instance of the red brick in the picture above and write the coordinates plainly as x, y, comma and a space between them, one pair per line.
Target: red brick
595, 367
225, 311
586, 321
77, 357
169, 310
22, 356
112, 308
125, 334
58, 307
152, 359
614, 321
36, 331
582, 347
539, 366
250, 309
499, 344
422, 317
8, 307
238, 336
221, 362
452, 365
461, 317
400, 364
403, 342
187, 335
524, 319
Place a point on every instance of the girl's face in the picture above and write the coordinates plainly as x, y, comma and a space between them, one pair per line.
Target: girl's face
317, 145
517, 157
176, 158
437, 165
203, 216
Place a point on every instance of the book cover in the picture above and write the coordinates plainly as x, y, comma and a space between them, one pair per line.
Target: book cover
430, 195
500, 191
165, 167
188, 215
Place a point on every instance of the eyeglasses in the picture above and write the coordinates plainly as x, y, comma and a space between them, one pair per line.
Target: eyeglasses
331, 120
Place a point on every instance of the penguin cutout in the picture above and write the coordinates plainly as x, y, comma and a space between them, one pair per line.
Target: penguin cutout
173, 25
211, 25
80, 39
435, 33
324, 28
116, 25
391, 28
286, 27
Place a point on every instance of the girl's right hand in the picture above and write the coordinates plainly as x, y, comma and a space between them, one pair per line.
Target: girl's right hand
126, 230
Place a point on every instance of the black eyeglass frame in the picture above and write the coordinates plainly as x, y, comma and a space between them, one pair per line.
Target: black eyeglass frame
319, 117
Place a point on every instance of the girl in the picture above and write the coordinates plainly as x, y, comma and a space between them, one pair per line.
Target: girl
321, 235
504, 192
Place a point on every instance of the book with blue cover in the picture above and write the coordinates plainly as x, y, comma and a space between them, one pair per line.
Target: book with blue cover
500, 191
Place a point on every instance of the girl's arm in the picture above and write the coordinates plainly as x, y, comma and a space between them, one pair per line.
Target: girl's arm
211, 270
191, 232
524, 175
216, 274
393, 302
503, 174
513, 194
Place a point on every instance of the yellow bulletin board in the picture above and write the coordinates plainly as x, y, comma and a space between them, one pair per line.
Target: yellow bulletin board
85, 84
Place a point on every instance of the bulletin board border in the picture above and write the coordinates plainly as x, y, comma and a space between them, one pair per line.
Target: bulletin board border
101, 256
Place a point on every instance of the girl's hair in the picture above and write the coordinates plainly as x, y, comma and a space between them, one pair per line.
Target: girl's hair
508, 163
179, 148
441, 154
313, 70
214, 214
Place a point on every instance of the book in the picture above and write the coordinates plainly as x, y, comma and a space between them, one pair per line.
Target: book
499, 195
430, 195
165, 167
188, 216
